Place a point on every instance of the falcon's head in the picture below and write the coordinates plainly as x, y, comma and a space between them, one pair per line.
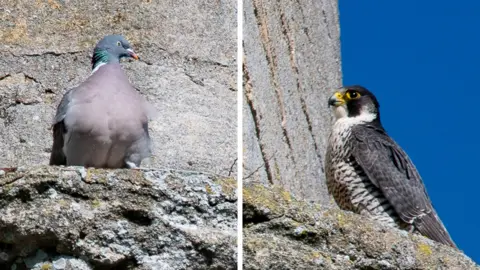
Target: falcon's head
355, 101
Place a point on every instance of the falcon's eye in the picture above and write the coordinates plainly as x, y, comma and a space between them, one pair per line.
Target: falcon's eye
352, 95
119, 43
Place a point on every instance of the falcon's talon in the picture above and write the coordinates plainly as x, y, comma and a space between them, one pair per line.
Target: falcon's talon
88, 176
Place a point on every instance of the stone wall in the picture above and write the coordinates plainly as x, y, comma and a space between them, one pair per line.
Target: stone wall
187, 71
291, 65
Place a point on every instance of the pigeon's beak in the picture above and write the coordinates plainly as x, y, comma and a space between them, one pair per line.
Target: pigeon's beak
133, 54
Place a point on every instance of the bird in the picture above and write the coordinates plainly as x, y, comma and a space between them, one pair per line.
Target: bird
103, 122
368, 173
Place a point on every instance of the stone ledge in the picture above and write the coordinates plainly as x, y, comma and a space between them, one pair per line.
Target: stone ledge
281, 232
116, 219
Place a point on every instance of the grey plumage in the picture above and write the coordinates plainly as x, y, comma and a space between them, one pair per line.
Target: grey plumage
103, 122
368, 173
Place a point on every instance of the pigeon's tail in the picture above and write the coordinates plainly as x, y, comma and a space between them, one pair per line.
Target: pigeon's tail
57, 157
431, 227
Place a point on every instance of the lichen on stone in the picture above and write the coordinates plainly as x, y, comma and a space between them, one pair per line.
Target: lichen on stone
293, 234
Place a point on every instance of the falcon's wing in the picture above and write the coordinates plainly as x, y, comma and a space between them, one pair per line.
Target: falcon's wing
391, 170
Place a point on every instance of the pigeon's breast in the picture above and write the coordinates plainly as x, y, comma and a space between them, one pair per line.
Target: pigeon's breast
107, 119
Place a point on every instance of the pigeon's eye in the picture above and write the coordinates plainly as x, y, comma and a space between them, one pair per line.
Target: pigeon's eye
353, 95
119, 43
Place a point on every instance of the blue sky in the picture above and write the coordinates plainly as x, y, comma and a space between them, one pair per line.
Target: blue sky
422, 61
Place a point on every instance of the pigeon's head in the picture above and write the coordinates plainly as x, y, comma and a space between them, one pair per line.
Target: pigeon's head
111, 49
355, 101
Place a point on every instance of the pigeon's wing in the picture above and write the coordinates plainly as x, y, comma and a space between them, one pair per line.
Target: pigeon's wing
390, 169
57, 157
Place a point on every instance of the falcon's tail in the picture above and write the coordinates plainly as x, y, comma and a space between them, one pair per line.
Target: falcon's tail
431, 227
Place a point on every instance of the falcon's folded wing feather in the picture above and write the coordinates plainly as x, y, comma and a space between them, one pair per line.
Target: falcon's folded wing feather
391, 170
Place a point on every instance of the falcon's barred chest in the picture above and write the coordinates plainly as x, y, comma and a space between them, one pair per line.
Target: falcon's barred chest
348, 183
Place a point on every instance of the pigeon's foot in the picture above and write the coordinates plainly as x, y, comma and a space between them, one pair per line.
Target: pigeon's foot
131, 165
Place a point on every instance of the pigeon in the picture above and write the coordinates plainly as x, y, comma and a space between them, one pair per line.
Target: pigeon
103, 122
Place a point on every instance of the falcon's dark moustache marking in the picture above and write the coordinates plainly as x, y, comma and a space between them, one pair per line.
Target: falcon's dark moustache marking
366, 101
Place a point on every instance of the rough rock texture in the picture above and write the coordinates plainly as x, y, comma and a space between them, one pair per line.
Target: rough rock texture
281, 232
187, 70
292, 64
73, 218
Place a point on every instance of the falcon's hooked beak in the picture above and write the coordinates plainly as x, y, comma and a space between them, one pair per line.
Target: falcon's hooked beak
133, 54
336, 100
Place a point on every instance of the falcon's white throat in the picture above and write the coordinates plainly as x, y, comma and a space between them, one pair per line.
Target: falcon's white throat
366, 115
340, 112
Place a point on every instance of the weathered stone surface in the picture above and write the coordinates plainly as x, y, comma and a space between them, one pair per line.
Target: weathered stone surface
187, 71
113, 219
281, 232
292, 64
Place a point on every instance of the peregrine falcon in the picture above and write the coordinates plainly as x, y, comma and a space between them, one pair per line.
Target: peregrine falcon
369, 174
